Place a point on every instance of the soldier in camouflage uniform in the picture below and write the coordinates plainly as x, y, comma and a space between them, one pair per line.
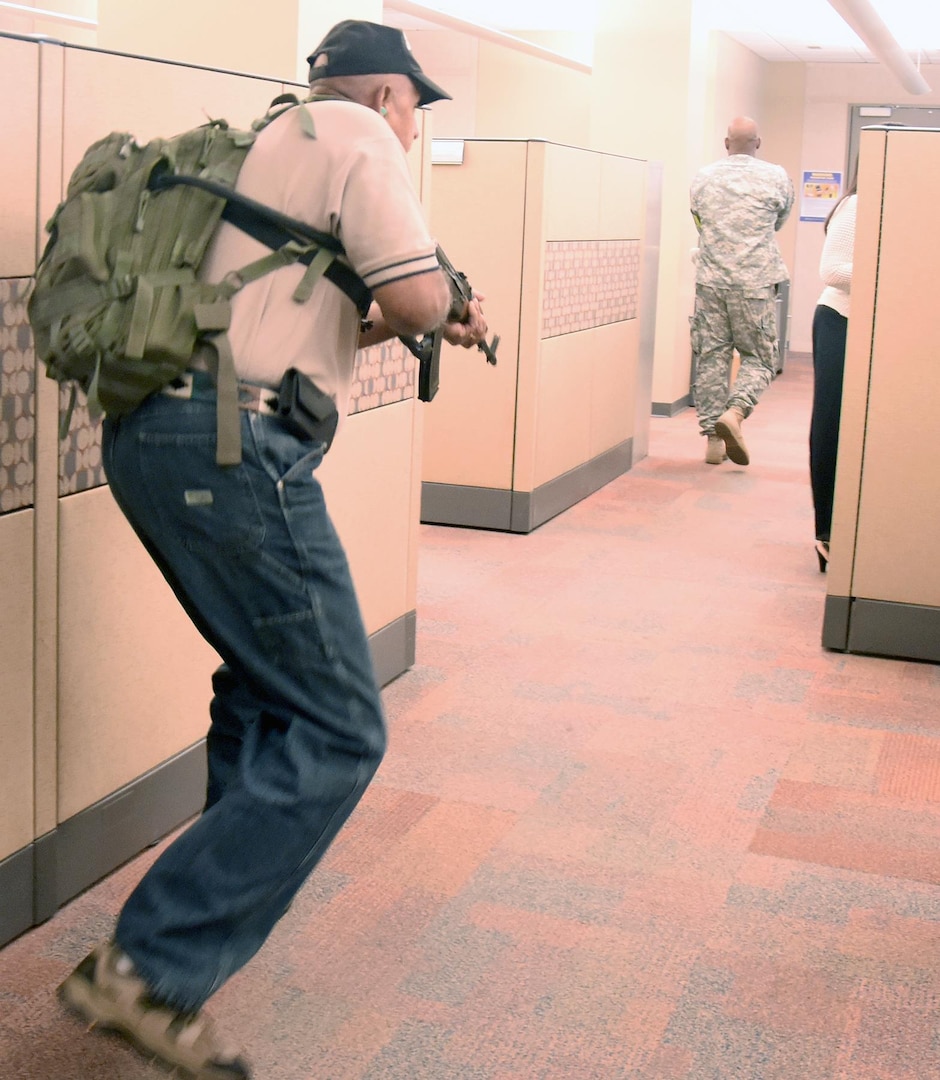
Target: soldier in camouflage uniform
738, 204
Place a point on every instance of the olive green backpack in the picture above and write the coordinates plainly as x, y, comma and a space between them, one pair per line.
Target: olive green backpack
117, 308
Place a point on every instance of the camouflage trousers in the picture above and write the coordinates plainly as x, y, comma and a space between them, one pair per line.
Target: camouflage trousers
725, 320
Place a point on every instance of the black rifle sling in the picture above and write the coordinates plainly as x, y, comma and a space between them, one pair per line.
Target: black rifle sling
274, 230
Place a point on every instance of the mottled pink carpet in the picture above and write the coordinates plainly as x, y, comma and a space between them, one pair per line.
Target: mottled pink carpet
634, 822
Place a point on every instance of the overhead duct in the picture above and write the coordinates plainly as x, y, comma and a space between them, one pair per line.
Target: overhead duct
867, 23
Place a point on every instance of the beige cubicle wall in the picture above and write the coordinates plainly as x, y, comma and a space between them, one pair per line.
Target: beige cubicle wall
19, 82
883, 594
508, 447
105, 683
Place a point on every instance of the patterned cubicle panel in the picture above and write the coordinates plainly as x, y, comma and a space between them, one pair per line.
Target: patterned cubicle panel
17, 398
589, 283
80, 467
384, 374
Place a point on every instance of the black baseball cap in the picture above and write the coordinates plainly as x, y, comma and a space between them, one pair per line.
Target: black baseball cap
356, 47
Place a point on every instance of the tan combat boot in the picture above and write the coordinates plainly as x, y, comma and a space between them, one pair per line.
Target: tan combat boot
715, 451
728, 428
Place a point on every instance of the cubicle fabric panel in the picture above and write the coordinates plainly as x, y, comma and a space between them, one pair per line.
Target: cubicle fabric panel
19, 88
80, 465
16, 680
589, 283
17, 398
19, 91
384, 374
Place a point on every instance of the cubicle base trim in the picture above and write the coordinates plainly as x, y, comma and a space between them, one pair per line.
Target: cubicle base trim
552, 498
671, 408
835, 631
901, 631
474, 507
88, 846
882, 628
37, 880
16, 888
522, 511
393, 648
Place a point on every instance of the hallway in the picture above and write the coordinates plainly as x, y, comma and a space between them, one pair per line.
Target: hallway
634, 822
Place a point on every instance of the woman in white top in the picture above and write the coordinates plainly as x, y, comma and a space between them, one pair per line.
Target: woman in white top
830, 323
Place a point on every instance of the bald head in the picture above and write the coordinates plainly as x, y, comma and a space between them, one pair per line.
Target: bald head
742, 136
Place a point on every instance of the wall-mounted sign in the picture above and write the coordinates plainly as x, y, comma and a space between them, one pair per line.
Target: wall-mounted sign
820, 193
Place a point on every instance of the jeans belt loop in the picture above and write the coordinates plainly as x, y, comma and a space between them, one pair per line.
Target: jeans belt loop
251, 396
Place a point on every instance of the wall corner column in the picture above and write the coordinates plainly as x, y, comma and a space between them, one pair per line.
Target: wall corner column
648, 100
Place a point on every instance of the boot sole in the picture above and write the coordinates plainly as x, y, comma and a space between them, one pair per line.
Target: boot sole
79, 997
737, 451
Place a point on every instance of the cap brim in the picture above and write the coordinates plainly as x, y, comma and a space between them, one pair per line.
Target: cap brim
428, 90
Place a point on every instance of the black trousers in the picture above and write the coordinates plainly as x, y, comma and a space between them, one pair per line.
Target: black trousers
829, 331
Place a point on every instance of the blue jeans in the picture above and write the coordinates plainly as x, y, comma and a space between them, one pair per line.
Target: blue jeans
297, 729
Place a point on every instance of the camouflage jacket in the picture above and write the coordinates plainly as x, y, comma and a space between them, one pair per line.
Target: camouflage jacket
738, 204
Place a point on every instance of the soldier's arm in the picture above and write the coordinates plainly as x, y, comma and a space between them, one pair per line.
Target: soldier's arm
694, 204
784, 211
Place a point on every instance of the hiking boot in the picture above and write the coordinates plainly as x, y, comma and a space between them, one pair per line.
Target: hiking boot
728, 428
715, 451
105, 991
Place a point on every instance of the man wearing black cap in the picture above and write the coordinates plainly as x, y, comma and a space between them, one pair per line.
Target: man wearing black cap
297, 729
354, 47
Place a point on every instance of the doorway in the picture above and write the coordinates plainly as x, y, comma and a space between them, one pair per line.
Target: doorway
861, 116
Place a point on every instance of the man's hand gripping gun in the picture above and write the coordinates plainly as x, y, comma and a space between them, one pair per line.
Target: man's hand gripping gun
427, 349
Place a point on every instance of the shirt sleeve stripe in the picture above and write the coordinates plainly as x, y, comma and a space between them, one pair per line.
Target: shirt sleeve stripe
406, 268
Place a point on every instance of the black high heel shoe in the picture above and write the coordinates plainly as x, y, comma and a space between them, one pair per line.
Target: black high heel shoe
822, 553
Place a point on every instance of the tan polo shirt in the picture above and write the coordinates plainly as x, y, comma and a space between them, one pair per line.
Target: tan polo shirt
351, 181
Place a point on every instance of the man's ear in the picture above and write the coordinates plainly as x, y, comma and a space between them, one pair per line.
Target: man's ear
384, 97
727, 144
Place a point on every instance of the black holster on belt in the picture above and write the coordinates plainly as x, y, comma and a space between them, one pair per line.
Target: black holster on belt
305, 410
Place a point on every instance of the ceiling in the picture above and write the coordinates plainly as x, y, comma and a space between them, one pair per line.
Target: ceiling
809, 31
812, 31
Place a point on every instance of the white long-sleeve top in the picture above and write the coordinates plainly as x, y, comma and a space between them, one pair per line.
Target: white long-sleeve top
835, 264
